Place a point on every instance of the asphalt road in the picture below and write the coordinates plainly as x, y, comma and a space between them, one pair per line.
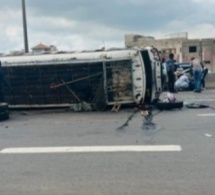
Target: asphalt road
189, 171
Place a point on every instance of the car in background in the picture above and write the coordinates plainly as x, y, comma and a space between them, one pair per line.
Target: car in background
185, 67
179, 67
182, 68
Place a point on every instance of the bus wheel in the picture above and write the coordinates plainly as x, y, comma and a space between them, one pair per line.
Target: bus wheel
170, 105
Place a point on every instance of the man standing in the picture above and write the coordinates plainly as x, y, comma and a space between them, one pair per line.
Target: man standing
197, 68
170, 66
1, 84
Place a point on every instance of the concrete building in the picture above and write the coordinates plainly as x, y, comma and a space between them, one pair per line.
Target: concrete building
182, 47
203, 49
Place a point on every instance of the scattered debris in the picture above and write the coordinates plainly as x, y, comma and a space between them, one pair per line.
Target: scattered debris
82, 106
208, 135
196, 105
147, 122
116, 107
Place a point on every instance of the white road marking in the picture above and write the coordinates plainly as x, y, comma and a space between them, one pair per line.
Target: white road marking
206, 115
90, 149
208, 135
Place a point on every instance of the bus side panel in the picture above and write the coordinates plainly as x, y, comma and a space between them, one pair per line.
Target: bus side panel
32, 85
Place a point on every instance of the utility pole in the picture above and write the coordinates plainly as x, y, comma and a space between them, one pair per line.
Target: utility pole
25, 27
201, 50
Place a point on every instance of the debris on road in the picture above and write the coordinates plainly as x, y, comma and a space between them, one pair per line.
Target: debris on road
208, 135
195, 105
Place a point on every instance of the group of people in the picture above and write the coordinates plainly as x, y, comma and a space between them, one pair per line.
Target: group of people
193, 80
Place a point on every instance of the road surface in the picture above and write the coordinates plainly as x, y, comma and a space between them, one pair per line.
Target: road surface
67, 153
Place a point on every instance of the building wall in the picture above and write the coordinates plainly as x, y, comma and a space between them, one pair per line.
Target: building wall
208, 53
187, 54
205, 51
173, 45
183, 48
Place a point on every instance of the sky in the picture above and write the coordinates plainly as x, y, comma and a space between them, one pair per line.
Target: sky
93, 24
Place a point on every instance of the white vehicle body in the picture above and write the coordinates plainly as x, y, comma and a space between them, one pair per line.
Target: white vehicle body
133, 72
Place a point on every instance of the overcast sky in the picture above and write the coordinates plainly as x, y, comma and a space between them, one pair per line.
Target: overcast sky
91, 24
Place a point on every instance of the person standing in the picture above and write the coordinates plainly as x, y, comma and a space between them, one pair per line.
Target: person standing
197, 68
164, 73
170, 67
204, 74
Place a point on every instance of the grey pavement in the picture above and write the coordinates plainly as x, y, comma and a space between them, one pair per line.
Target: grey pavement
191, 171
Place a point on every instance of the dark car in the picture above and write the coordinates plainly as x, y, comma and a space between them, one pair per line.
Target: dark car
181, 68
184, 66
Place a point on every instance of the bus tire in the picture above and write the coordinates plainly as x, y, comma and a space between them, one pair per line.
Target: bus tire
170, 105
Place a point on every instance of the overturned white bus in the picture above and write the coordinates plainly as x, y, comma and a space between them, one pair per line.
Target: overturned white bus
99, 78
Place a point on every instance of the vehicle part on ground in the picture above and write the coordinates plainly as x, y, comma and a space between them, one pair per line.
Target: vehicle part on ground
147, 113
169, 105
196, 106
